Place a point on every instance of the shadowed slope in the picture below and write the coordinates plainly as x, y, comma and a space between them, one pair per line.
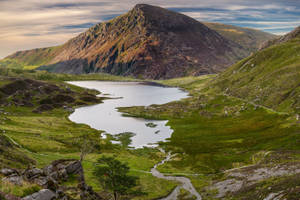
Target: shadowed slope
270, 77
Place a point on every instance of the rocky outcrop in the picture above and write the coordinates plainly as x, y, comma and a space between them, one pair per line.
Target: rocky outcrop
245, 177
50, 178
42, 96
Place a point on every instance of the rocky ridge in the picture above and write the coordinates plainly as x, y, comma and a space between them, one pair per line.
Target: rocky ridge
285, 38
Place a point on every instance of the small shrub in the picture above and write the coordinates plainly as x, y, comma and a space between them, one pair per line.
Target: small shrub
30, 190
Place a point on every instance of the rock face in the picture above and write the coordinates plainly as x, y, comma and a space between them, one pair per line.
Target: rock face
148, 41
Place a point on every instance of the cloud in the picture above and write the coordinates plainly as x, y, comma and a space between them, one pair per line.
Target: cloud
26, 24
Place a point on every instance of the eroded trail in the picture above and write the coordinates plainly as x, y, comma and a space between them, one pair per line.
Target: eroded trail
185, 183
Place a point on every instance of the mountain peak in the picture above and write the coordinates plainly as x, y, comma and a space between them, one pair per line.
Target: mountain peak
162, 18
142, 5
150, 42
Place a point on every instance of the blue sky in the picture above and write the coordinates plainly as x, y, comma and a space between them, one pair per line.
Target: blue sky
27, 24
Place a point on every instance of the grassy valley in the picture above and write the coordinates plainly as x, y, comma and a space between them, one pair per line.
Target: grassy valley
236, 136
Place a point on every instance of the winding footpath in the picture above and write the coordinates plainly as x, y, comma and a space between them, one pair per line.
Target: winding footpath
185, 183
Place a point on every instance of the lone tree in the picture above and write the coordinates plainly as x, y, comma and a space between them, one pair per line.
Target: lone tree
113, 175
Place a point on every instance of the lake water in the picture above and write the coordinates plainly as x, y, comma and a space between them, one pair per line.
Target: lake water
106, 117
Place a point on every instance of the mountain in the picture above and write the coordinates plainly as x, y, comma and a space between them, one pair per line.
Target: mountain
270, 77
148, 41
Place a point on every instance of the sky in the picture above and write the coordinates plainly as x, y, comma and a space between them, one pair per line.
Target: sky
27, 24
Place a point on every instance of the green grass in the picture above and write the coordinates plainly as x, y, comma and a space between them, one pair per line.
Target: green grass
211, 141
48, 76
19, 191
30, 59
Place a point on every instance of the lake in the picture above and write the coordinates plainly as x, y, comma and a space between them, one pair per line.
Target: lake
106, 117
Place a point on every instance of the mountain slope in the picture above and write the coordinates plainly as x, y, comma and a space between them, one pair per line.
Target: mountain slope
148, 41
293, 34
248, 38
270, 77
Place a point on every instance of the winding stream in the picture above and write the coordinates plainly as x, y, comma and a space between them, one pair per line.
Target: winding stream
185, 183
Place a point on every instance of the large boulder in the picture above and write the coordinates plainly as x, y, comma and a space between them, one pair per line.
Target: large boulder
43, 194
33, 173
74, 167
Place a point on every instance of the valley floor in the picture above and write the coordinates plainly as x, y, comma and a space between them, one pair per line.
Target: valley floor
228, 147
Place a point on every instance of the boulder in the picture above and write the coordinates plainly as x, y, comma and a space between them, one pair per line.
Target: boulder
7, 172
62, 174
74, 167
48, 169
14, 179
43, 194
42, 180
54, 175
33, 173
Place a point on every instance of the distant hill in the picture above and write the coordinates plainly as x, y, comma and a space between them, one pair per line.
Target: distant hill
270, 77
149, 42
250, 39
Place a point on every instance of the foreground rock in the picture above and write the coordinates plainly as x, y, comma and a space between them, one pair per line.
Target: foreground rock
51, 178
43, 194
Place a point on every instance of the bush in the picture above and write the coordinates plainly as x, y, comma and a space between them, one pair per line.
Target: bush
30, 190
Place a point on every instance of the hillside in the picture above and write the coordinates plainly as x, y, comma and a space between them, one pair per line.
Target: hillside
148, 41
270, 77
248, 38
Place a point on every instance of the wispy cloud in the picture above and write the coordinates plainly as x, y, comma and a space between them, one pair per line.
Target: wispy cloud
26, 24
